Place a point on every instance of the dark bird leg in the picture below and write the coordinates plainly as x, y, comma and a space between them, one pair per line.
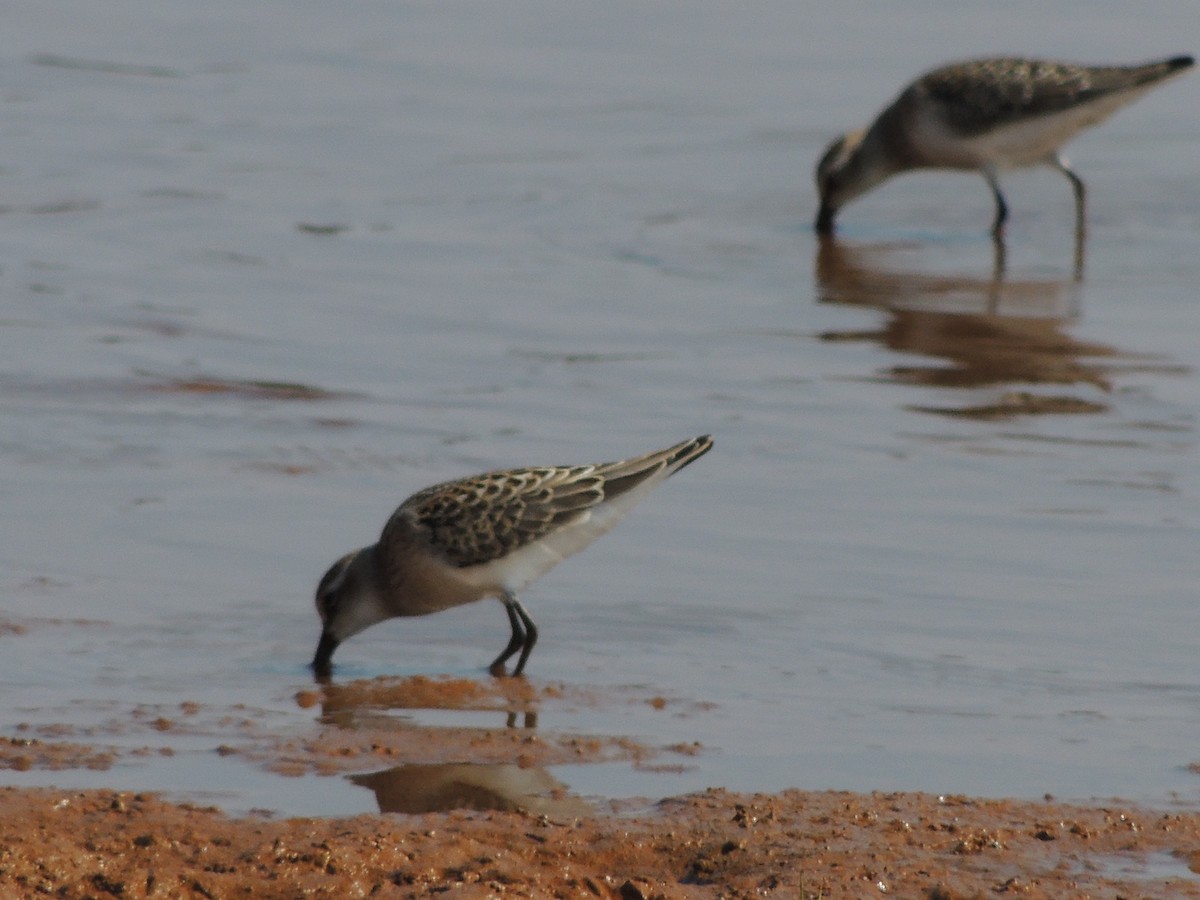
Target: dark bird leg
1077, 186
1001, 207
515, 643
524, 636
531, 636
1063, 166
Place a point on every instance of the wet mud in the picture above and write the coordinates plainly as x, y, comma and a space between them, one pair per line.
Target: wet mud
716, 844
475, 811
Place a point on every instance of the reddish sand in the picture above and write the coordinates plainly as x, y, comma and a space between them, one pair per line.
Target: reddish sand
515, 831
795, 844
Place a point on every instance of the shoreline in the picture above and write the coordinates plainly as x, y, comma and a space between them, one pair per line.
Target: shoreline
476, 812
99, 843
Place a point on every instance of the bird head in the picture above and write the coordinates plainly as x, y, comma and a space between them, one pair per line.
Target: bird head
347, 602
844, 172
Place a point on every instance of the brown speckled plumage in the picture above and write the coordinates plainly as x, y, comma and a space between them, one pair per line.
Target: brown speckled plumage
979, 95
480, 519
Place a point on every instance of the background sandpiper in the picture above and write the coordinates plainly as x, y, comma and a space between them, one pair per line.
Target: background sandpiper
489, 535
984, 115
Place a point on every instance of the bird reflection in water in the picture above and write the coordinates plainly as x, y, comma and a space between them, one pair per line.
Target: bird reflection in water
369, 702
982, 331
478, 786
369, 706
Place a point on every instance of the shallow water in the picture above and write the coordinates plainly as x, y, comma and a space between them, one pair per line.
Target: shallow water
269, 269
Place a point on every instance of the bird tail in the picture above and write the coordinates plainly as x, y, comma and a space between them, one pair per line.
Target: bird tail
625, 475
1152, 73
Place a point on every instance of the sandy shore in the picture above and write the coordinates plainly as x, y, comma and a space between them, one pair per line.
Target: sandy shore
513, 830
717, 844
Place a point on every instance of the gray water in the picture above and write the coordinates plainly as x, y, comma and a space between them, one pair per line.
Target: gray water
268, 268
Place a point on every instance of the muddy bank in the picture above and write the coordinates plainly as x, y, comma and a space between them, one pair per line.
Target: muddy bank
795, 844
475, 811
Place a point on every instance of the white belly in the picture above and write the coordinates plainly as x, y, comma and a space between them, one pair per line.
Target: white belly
1022, 142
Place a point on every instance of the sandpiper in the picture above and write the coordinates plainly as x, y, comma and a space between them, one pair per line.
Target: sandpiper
489, 535
983, 115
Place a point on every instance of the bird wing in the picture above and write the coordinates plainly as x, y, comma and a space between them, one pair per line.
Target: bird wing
480, 519
976, 96
560, 509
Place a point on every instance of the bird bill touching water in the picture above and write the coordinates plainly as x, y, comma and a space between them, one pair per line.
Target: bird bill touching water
985, 115
488, 535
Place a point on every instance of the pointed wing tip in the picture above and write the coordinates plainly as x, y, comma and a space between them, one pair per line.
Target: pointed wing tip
689, 451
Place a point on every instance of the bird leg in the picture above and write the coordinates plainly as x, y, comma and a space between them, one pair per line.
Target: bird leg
524, 636
1060, 163
1001, 207
531, 636
515, 643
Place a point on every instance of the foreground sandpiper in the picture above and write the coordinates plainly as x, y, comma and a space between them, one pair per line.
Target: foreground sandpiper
984, 115
489, 535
